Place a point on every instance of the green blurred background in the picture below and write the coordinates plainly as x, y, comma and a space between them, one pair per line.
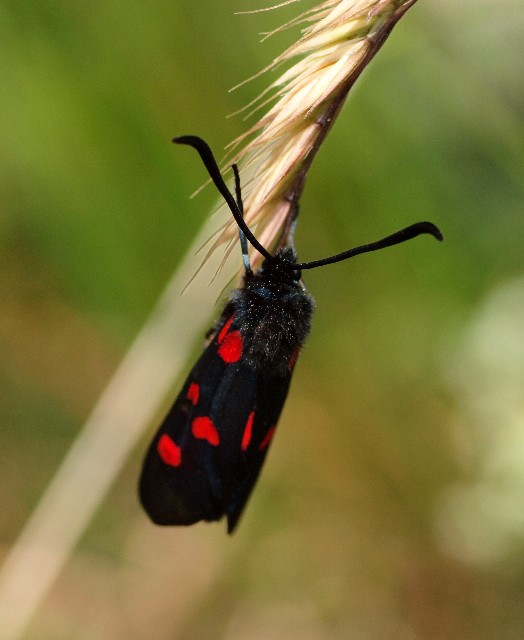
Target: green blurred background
392, 504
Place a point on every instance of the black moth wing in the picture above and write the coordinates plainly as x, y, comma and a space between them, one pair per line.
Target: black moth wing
208, 452
270, 398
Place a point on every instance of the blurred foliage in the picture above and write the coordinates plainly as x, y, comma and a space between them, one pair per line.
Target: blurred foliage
381, 512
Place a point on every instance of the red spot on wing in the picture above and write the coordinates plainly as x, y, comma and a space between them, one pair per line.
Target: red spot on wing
224, 330
293, 358
204, 428
169, 451
193, 392
230, 350
267, 439
246, 438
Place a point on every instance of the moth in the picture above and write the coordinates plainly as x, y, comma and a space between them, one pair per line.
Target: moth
205, 459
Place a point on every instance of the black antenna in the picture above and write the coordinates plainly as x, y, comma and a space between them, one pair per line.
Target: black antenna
408, 233
214, 172
241, 234
237, 209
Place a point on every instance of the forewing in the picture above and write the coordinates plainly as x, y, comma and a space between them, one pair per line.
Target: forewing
188, 470
179, 483
207, 455
256, 437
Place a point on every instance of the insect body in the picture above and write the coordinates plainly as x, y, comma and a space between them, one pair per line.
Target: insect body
207, 455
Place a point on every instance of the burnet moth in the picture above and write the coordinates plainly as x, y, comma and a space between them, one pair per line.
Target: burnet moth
206, 457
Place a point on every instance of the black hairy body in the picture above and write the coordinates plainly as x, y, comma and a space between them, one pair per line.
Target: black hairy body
273, 312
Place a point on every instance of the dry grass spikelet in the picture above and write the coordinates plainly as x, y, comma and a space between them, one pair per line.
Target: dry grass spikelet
338, 41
